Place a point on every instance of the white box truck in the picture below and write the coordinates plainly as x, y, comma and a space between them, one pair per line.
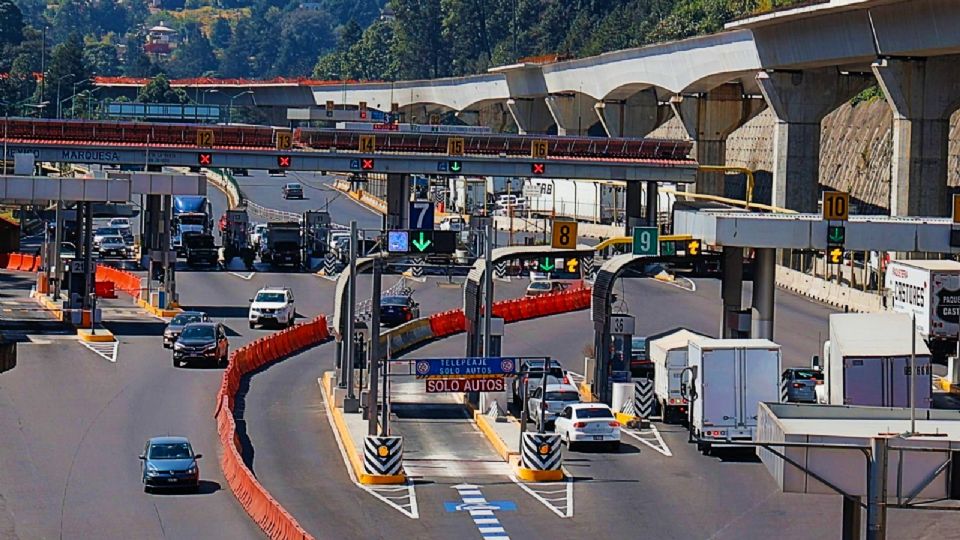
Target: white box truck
668, 353
867, 361
725, 381
929, 290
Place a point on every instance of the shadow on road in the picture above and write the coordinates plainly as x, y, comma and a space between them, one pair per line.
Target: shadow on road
136, 328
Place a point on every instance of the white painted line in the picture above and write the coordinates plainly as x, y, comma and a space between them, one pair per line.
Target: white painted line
660, 446
411, 510
247, 277
105, 350
558, 499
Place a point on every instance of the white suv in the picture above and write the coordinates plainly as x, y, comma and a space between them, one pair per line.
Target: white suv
272, 305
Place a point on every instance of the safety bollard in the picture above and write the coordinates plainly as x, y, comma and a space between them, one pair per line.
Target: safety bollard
540, 457
383, 456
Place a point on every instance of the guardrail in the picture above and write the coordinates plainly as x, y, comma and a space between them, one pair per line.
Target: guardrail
272, 518
271, 214
225, 182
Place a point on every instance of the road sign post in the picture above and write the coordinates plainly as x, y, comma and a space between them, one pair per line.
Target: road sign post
646, 241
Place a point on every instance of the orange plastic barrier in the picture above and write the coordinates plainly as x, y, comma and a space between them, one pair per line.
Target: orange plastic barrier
272, 518
122, 280
16, 259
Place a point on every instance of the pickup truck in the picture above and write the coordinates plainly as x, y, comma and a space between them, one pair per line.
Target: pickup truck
200, 249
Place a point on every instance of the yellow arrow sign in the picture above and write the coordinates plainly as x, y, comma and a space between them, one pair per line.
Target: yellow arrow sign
572, 265
836, 255
693, 247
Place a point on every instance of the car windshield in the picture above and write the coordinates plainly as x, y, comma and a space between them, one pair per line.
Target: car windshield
393, 301
638, 344
108, 231
198, 332
565, 395
270, 297
293, 186
200, 241
186, 318
192, 220
807, 374
170, 451
540, 286
112, 240
119, 222
599, 412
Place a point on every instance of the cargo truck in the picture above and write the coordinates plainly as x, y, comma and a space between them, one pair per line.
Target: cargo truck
668, 353
929, 290
282, 247
867, 361
191, 214
200, 249
725, 382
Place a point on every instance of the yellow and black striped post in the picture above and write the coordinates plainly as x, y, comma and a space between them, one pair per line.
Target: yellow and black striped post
540, 457
383, 456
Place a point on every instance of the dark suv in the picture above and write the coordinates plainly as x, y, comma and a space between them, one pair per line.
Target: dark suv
532, 369
292, 190
202, 341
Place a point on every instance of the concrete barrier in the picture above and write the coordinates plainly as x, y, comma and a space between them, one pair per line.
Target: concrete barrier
830, 293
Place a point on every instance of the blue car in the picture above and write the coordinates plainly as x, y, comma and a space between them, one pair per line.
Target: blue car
169, 462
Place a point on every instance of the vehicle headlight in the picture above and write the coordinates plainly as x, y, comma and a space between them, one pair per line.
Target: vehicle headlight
210, 347
178, 346
255, 312
151, 468
191, 470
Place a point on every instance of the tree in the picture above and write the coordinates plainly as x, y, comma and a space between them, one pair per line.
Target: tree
417, 45
303, 36
11, 23
236, 57
67, 67
102, 59
158, 90
220, 33
136, 63
194, 57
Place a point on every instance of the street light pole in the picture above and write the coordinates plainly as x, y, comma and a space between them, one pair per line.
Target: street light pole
230, 117
59, 80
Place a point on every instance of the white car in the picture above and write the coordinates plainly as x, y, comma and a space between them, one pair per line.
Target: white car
558, 397
588, 423
272, 305
257, 234
120, 223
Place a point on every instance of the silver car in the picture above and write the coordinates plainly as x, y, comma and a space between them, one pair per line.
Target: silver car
551, 403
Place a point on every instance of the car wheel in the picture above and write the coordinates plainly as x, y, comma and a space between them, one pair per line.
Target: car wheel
224, 360
252, 325
147, 489
176, 363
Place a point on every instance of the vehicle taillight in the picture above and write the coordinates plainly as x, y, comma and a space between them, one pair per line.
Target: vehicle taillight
797, 385
614, 424
579, 425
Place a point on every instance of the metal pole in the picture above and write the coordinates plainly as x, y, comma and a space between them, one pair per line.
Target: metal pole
877, 490
488, 290
351, 309
87, 251
913, 374
541, 421
385, 418
374, 351
57, 240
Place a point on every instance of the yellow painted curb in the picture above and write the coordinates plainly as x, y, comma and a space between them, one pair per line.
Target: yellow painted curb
530, 475
586, 393
491, 434
49, 305
102, 336
163, 313
625, 418
349, 446
945, 384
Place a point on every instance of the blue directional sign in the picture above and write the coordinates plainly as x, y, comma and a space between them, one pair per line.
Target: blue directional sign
495, 506
398, 242
355, 164
421, 215
466, 367
441, 166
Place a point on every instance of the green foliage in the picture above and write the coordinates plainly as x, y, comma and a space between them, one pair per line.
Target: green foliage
869, 95
158, 90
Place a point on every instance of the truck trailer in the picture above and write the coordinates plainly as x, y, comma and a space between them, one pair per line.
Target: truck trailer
725, 382
283, 244
929, 290
868, 361
668, 353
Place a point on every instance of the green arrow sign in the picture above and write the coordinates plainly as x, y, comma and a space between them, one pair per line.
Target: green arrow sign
836, 235
456, 166
547, 265
668, 249
422, 243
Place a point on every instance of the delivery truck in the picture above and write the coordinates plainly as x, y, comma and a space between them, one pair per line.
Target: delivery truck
867, 361
725, 382
668, 353
929, 290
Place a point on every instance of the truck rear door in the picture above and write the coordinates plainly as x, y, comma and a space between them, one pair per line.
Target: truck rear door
719, 387
899, 386
761, 383
863, 381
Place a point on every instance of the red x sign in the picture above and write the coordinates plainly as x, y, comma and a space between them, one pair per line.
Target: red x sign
538, 168
283, 161
205, 159
366, 164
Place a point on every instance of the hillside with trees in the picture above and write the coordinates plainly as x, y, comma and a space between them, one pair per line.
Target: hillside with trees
71, 41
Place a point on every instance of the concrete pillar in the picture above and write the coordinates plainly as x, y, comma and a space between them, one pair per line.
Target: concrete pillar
531, 115
800, 100
398, 201
923, 93
708, 119
731, 289
573, 113
764, 291
635, 116
634, 207
494, 116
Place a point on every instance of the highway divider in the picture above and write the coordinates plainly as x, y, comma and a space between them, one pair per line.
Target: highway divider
20, 262
275, 521
122, 280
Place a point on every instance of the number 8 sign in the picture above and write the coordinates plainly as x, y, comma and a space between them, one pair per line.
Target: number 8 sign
564, 235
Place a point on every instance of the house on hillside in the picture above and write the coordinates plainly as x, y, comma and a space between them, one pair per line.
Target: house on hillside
161, 40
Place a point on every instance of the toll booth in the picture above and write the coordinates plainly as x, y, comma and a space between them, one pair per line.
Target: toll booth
622, 327
316, 233
236, 241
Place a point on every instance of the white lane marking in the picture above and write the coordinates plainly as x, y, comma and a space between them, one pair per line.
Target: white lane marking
644, 436
106, 350
387, 494
489, 527
557, 497
247, 277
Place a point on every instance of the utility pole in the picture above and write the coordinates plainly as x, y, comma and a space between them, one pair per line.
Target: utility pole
350, 403
374, 352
